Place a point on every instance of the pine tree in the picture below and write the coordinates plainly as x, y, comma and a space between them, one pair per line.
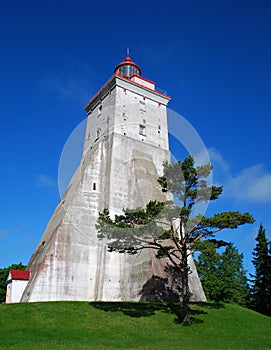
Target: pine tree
233, 277
268, 301
207, 263
261, 279
169, 229
222, 274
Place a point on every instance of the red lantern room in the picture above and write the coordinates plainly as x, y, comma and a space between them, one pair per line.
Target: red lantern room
127, 68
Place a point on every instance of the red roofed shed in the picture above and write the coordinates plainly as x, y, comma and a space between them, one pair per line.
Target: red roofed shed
20, 275
16, 283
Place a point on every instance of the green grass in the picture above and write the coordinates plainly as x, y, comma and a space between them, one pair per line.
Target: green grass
141, 326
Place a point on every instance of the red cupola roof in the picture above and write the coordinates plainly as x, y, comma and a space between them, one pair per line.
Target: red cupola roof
127, 68
20, 274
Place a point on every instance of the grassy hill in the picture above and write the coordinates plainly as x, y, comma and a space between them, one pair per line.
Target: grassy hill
141, 326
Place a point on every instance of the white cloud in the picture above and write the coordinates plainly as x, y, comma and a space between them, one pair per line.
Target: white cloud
43, 180
217, 159
72, 83
66, 87
252, 184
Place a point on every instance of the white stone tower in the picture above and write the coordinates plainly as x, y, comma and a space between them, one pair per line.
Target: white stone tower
126, 143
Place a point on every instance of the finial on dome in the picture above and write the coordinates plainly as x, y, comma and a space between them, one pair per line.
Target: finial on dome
127, 68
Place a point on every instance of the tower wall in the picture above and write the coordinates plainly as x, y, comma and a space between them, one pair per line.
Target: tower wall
70, 263
126, 143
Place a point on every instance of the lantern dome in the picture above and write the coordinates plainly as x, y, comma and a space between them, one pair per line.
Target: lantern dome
127, 68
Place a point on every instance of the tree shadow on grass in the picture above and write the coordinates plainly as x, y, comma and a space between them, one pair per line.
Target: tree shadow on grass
157, 294
209, 305
147, 309
176, 309
205, 306
132, 309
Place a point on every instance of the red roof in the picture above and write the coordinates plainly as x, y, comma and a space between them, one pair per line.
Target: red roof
127, 62
20, 274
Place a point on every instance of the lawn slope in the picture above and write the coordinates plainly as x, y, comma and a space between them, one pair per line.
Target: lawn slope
141, 326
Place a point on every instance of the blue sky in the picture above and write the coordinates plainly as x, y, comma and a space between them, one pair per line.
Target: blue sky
212, 57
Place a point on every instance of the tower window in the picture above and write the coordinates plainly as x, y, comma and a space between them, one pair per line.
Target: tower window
94, 186
142, 130
142, 106
98, 134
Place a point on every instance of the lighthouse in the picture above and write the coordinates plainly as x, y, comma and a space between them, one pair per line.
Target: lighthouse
125, 145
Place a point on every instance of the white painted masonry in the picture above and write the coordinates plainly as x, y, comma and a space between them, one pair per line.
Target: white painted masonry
125, 146
16, 284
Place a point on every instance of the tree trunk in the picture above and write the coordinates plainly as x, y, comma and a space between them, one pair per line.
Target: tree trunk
185, 289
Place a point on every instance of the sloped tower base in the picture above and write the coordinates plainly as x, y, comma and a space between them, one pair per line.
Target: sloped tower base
119, 169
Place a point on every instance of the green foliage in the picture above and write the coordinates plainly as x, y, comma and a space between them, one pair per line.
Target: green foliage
133, 230
207, 262
261, 289
189, 183
268, 278
133, 326
3, 279
147, 228
223, 220
171, 229
222, 274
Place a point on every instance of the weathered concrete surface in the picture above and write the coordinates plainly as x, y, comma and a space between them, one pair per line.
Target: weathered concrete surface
119, 169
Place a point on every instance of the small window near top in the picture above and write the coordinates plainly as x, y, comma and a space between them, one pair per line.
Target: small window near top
142, 130
142, 106
98, 134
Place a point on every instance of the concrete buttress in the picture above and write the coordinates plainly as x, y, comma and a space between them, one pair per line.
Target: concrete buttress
126, 143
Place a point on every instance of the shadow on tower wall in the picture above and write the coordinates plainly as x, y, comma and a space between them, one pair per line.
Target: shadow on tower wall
158, 289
